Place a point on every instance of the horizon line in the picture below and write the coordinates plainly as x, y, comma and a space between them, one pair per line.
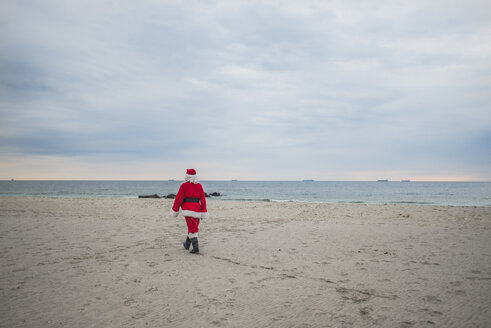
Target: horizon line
237, 180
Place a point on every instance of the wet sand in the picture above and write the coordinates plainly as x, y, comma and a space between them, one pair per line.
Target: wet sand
114, 262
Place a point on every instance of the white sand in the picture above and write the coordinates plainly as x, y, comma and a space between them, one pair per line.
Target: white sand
120, 263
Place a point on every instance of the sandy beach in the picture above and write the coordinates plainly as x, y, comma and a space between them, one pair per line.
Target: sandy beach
115, 262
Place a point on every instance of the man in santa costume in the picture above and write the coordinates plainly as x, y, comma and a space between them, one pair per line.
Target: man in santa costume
191, 199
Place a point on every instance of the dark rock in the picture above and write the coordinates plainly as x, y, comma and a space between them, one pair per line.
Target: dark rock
215, 194
170, 196
149, 196
207, 195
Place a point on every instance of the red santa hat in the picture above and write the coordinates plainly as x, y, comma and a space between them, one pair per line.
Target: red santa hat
191, 176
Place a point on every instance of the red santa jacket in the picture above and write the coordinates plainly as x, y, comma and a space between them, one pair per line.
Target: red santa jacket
193, 209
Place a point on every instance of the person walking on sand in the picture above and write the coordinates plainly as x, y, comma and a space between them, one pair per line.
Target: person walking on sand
191, 199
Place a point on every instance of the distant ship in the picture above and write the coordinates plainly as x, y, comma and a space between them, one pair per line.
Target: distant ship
308, 180
383, 180
171, 179
405, 180
234, 180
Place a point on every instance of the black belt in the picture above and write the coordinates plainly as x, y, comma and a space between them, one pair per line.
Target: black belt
191, 200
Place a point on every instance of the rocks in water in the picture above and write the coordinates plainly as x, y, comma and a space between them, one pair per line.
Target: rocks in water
149, 196
170, 196
214, 194
173, 196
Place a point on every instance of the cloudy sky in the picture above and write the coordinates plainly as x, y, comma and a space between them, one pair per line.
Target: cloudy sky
252, 90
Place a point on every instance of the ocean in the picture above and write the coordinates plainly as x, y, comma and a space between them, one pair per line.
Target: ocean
392, 192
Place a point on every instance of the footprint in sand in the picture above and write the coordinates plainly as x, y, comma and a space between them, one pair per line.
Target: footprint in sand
152, 289
432, 299
279, 318
138, 315
353, 295
230, 295
406, 324
365, 311
128, 301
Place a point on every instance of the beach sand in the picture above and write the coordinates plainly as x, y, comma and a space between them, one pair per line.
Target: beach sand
114, 262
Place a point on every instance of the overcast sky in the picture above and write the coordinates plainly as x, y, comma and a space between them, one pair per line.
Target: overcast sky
252, 90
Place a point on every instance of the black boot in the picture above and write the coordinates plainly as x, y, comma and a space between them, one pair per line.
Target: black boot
187, 243
194, 241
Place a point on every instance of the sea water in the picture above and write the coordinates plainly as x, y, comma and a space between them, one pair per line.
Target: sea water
438, 193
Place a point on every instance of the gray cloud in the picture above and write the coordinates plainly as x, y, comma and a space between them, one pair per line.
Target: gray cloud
374, 86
